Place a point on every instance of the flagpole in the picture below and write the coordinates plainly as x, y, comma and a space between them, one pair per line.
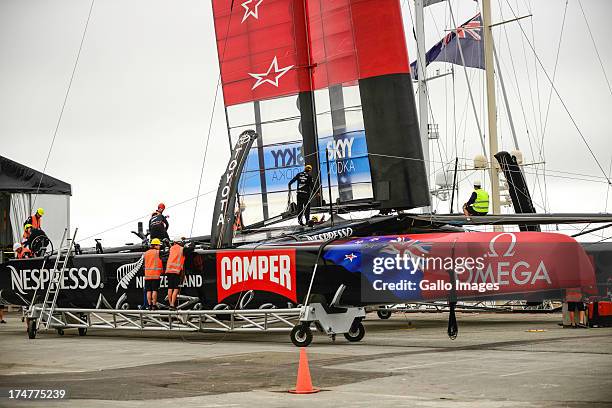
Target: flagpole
422, 87
491, 110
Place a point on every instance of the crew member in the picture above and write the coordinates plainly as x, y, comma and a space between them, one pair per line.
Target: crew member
153, 269
158, 224
27, 233
304, 190
21, 251
237, 221
316, 221
29, 237
573, 297
174, 267
478, 204
35, 219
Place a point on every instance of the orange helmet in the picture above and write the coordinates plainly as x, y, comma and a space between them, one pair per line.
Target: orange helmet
161, 206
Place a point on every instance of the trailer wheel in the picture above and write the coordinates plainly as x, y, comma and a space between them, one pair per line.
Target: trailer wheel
32, 328
60, 332
383, 314
356, 333
301, 335
82, 331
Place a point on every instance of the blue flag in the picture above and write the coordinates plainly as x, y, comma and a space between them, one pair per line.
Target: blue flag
469, 35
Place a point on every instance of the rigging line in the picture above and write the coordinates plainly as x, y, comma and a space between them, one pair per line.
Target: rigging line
595, 46
597, 242
541, 147
59, 119
480, 133
537, 77
516, 84
530, 87
212, 116
598, 178
608, 187
562, 101
143, 217
536, 181
554, 74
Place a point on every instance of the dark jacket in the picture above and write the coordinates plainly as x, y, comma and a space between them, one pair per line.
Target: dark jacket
304, 182
158, 226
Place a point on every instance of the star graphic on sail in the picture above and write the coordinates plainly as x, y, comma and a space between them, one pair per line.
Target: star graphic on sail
254, 12
274, 70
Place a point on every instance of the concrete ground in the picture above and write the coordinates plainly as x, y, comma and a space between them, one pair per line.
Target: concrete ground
497, 361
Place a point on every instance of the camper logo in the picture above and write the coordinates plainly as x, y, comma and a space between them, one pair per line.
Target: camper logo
266, 270
126, 272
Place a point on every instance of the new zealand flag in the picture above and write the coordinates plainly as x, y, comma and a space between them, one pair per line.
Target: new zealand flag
375, 258
469, 35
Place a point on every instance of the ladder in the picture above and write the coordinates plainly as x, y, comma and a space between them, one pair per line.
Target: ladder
45, 259
55, 280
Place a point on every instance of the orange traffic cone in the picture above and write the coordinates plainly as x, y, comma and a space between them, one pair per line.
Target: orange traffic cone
303, 384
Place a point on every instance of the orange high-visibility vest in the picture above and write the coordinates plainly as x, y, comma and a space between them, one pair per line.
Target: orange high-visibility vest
176, 260
36, 221
24, 253
573, 295
153, 264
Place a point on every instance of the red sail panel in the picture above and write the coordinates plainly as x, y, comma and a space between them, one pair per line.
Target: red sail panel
355, 39
379, 36
272, 48
261, 48
332, 45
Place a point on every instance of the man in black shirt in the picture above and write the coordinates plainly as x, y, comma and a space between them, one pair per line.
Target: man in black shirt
304, 191
158, 224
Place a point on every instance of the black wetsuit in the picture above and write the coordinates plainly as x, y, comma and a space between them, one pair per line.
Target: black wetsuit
304, 191
158, 226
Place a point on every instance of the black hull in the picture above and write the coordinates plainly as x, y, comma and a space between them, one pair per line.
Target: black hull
89, 276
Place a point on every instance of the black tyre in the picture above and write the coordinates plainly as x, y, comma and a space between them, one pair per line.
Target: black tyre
60, 332
383, 314
301, 335
356, 333
32, 328
82, 331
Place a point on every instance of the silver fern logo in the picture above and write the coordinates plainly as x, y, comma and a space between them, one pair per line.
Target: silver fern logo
126, 272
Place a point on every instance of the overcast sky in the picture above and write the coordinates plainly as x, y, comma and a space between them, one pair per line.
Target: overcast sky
136, 119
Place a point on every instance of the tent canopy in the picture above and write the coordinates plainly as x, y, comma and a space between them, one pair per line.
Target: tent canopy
17, 178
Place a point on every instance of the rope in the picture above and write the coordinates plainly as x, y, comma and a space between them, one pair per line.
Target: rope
142, 216
561, 100
59, 119
595, 46
541, 148
212, 115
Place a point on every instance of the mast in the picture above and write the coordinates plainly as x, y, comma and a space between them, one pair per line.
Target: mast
422, 87
491, 110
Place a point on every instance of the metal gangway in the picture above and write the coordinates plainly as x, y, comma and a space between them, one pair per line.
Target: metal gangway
191, 320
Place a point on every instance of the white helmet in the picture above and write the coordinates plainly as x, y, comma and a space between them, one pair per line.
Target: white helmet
477, 183
16, 246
